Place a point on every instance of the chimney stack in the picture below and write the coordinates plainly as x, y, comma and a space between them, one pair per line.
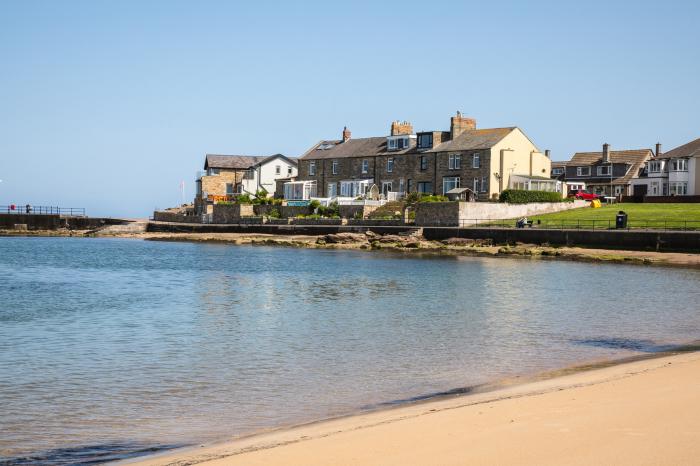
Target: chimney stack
606, 153
547, 153
460, 124
346, 134
658, 149
398, 128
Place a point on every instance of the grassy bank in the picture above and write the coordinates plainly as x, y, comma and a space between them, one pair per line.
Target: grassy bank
676, 216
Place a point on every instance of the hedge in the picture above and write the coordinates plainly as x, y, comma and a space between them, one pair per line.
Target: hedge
515, 196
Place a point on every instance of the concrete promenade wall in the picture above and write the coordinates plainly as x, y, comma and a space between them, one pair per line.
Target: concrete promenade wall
667, 241
53, 222
473, 213
687, 241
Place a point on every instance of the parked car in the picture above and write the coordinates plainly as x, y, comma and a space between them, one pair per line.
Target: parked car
587, 196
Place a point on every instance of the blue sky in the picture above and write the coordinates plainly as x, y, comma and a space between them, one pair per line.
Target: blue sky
110, 104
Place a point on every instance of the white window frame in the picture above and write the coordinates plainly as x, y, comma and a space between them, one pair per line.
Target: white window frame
484, 184
655, 166
334, 167
580, 171
678, 188
278, 169
312, 168
421, 141
607, 168
332, 190
557, 171
454, 182
476, 160
386, 187
365, 166
392, 144
390, 164
454, 161
679, 165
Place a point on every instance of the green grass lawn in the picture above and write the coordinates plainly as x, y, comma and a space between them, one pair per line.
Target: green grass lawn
671, 216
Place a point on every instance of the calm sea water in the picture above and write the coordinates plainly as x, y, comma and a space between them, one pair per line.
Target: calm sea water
111, 348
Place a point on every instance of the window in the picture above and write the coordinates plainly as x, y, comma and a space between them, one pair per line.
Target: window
557, 171
392, 144
484, 185
365, 166
402, 185
386, 187
213, 171
229, 189
655, 166
583, 171
477, 185
476, 160
449, 182
425, 141
389, 165
425, 187
278, 170
334, 167
423, 162
679, 188
289, 171
332, 189
655, 188
312, 168
679, 165
402, 143
454, 162
604, 170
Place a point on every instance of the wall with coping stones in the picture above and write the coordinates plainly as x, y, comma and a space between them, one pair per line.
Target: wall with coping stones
231, 213
472, 213
174, 217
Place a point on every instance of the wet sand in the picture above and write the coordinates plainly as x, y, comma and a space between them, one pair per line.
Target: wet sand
641, 412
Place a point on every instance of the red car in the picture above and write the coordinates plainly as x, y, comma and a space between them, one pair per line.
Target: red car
586, 196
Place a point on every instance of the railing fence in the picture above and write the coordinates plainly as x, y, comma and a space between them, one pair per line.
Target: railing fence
42, 210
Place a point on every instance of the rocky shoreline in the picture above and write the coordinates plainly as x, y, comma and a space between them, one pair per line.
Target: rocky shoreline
405, 244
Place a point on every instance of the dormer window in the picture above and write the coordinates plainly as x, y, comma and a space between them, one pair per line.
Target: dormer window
425, 141
655, 166
399, 143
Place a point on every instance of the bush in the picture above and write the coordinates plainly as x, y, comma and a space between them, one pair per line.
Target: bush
274, 213
313, 205
244, 199
415, 197
515, 196
433, 199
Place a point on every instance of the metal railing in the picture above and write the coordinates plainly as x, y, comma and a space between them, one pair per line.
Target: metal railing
585, 224
42, 210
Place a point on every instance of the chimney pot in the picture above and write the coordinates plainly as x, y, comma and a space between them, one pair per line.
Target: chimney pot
606, 153
399, 128
658, 149
547, 153
346, 134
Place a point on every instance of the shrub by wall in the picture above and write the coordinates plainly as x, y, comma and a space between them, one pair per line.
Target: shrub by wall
516, 196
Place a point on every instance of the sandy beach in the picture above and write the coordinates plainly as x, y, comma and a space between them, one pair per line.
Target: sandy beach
641, 412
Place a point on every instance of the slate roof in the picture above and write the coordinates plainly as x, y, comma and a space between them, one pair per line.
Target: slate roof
634, 158
360, 147
474, 139
241, 162
691, 149
374, 146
